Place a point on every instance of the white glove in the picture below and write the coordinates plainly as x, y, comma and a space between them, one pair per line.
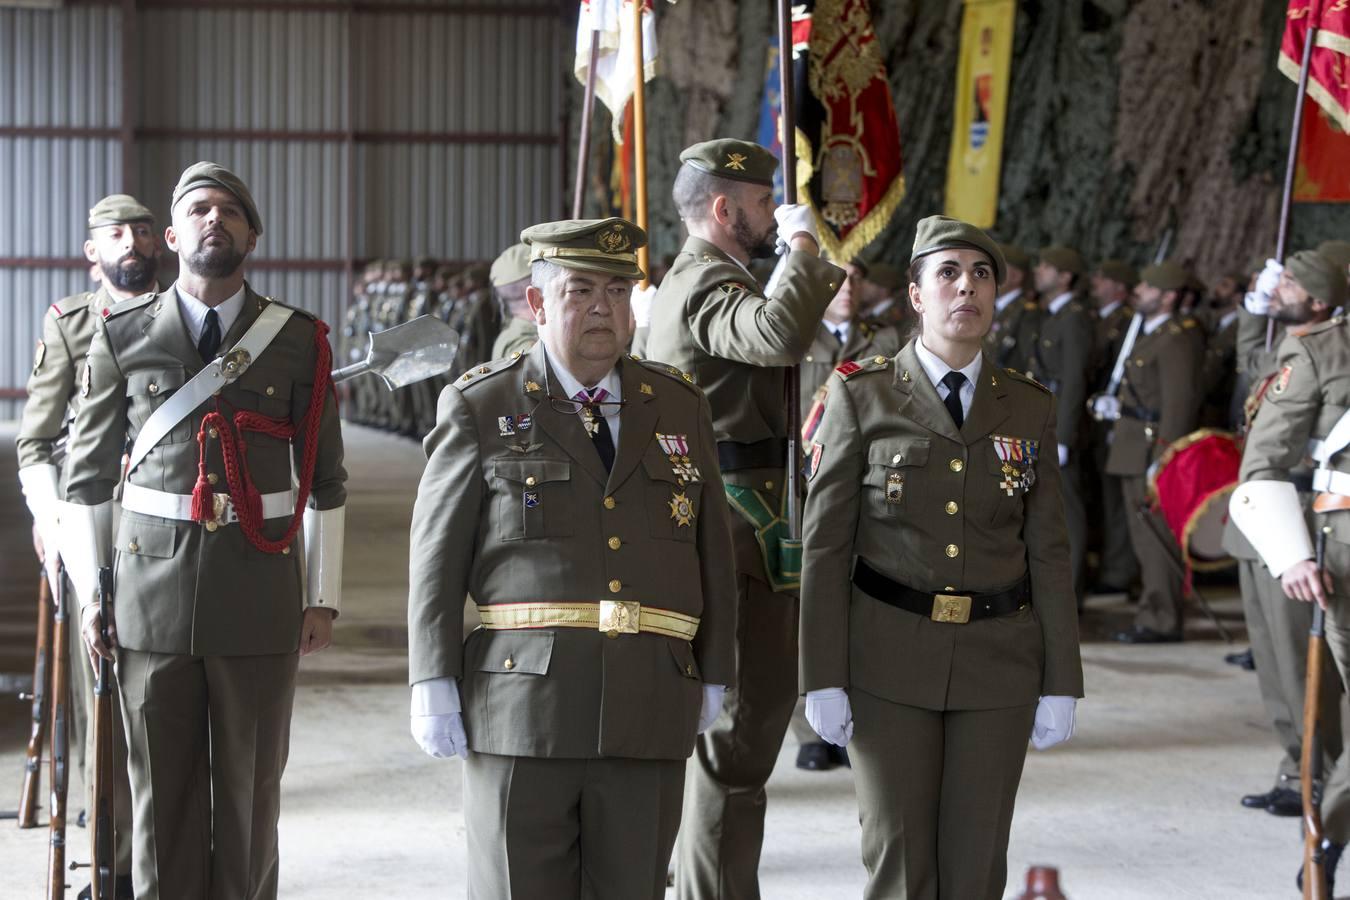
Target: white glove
712, 705
437, 723
1105, 408
641, 303
1268, 280
830, 716
40, 490
1063, 455
1054, 722
1256, 304
794, 219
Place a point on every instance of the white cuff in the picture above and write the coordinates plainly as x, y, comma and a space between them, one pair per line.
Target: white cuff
1269, 514
436, 697
324, 529
87, 545
41, 490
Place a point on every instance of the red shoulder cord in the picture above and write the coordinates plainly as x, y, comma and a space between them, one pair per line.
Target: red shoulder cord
246, 498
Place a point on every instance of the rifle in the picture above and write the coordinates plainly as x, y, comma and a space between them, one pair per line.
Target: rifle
60, 660
1310, 762
102, 861
793, 390
32, 765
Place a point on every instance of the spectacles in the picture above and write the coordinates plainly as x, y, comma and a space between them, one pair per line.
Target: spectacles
607, 409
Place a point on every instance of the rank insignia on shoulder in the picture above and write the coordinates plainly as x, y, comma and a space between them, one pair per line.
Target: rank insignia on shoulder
1282, 380
1018, 456
848, 368
681, 510
531, 499
39, 356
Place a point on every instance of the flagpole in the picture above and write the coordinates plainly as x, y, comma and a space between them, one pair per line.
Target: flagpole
788, 131
1287, 201
640, 133
587, 108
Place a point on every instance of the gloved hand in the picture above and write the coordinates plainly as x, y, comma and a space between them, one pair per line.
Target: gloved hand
1257, 300
1106, 407
712, 705
1063, 455
437, 722
1054, 722
828, 712
794, 219
641, 304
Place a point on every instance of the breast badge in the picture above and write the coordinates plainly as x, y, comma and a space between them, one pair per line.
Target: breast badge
86, 380
676, 448
682, 510
895, 487
510, 425
1018, 456
531, 499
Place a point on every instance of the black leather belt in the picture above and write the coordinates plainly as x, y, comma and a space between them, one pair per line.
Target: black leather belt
770, 453
957, 608
1141, 413
1302, 483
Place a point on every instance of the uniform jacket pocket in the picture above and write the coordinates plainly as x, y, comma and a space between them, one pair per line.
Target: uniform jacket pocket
892, 467
533, 498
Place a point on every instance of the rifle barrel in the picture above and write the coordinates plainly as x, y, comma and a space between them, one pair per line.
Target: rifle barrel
32, 765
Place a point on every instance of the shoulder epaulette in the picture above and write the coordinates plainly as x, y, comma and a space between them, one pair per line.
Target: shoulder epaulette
127, 305
852, 367
486, 370
72, 304
1027, 379
1308, 331
313, 317
684, 378
1190, 323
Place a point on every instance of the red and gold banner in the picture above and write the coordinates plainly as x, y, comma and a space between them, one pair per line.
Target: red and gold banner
848, 142
1329, 73
1323, 173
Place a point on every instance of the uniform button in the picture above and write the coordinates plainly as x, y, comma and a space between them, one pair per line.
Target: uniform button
951, 507
1139, 362
529, 481
689, 668
614, 543
810, 359
615, 586
133, 546
212, 478
211, 432
956, 465
286, 551
509, 664
768, 485
271, 390
153, 388
609, 503
895, 460
953, 551
212, 526
1046, 342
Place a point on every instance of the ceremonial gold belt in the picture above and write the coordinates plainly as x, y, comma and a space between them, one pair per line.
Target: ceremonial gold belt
613, 617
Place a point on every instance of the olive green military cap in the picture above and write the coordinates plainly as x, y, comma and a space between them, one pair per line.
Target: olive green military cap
607, 246
1066, 259
737, 160
885, 275
942, 233
117, 209
214, 175
1336, 251
1319, 276
1119, 271
512, 266
1015, 256
1166, 276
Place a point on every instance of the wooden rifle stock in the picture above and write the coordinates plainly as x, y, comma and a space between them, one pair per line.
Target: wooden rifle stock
103, 863
37, 736
1310, 764
60, 661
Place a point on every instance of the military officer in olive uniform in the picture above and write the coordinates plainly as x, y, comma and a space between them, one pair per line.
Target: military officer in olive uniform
123, 245
215, 592
711, 319
1065, 361
1017, 315
843, 335
1158, 402
939, 628
575, 494
510, 276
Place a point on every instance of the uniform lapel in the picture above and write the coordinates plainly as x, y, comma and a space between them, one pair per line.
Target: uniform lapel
639, 423
167, 329
921, 402
248, 314
565, 428
857, 343
988, 410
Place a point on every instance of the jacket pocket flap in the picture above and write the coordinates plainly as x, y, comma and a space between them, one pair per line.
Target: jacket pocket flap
267, 382
683, 654
517, 652
540, 470
155, 383
140, 535
897, 453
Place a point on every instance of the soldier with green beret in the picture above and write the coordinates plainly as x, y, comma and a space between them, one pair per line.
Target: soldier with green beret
215, 596
884, 302
1065, 362
123, 246
510, 277
1158, 403
1017, 315
574, 492
939, 629
712, 319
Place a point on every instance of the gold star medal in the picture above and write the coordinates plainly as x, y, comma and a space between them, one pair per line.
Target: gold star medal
681, 510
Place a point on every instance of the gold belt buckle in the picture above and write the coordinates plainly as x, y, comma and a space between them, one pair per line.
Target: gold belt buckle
619, 617
951, 608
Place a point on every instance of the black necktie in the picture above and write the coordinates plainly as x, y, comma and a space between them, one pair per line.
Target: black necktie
838, 335
209, 342
598, 425
953, 380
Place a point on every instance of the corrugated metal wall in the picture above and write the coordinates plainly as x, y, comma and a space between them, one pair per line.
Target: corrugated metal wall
405, 82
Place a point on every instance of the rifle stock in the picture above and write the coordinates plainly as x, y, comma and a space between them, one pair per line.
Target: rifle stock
32, 765
60, 661
103, 863
1310, 763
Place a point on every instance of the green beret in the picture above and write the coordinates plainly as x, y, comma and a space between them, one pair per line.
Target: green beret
1166, 276
737, 160
213, 175
941, 233
1319, 276
885, 275
1066, 259
1336, 251
1119, 271
1015, 256
115, 209
512, 266
608, 246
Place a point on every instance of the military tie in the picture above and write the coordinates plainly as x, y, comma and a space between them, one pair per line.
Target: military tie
209, 343
597, 426
954, 380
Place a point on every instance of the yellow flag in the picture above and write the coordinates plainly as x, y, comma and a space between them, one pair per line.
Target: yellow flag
981, 100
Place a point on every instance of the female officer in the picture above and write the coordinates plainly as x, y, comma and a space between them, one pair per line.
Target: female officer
939, 629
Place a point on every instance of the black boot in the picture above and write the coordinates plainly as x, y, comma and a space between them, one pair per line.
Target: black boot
1331, 855
815, 757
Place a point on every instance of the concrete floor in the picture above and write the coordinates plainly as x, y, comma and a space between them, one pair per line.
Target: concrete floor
1141, 804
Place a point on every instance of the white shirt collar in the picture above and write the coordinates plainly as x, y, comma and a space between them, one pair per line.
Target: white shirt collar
843, 329
194, 312
1110, 308
1059, 302
936, 369
1153, 324
570, 387
1002, 300
1226, 320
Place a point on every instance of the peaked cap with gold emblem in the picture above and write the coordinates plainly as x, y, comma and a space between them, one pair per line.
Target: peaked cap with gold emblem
737, 160
607, 246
